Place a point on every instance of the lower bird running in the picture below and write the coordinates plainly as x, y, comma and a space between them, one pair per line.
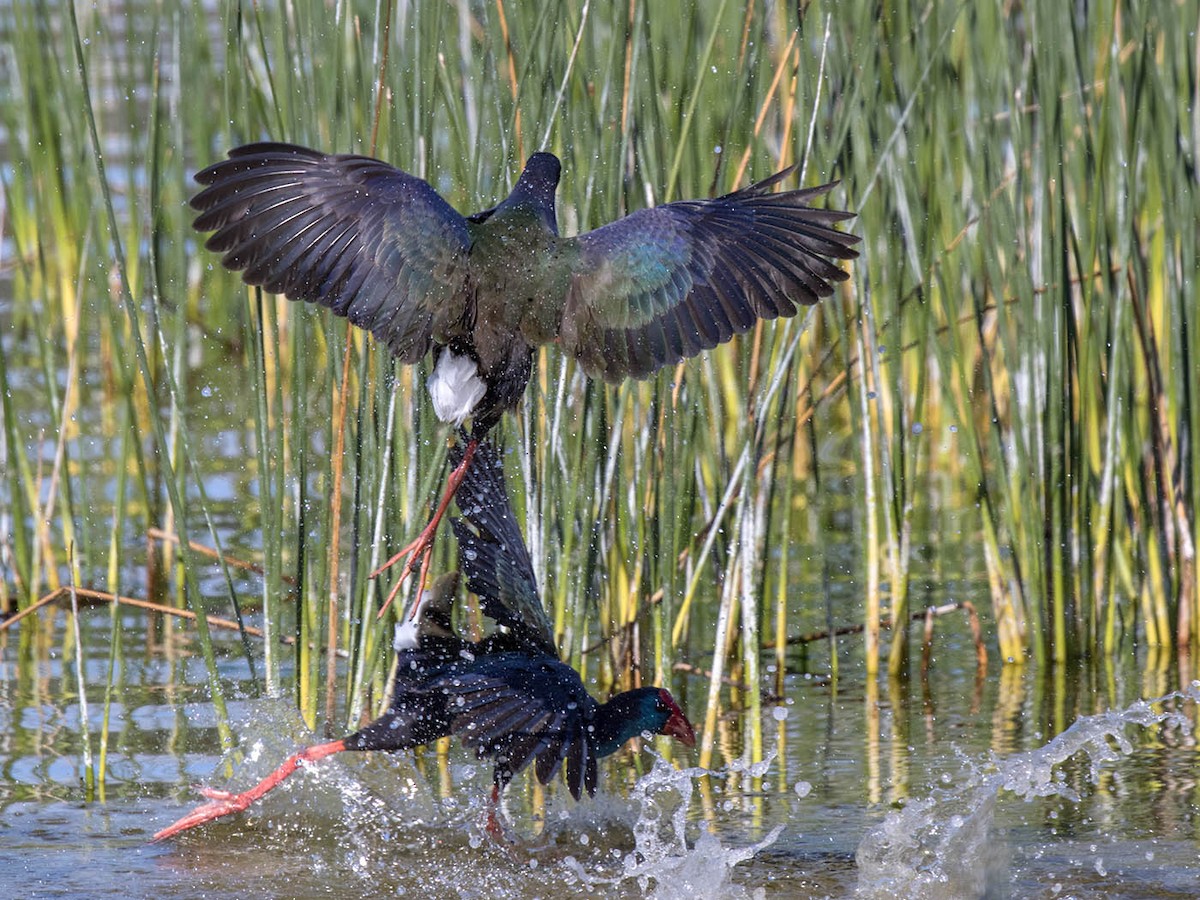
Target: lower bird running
508, 697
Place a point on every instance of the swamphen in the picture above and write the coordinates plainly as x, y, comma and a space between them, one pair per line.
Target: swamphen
481, 292
508, 696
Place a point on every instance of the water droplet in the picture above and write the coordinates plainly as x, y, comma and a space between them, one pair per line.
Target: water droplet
803, 788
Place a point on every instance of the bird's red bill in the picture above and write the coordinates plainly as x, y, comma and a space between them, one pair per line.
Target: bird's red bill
678, 726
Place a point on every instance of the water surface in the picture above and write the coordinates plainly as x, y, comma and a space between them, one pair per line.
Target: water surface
946, 791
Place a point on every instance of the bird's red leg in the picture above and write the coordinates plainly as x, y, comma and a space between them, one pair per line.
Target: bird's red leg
420, 549
222, 803
493, 827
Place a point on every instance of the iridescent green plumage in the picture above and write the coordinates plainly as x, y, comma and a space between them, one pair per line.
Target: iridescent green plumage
482, 292
380, 247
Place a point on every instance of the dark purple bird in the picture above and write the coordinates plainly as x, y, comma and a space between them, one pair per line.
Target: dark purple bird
479, 293
508, 697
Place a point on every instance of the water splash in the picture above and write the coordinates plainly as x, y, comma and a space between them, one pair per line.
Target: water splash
374, 821
944, 847
661, 863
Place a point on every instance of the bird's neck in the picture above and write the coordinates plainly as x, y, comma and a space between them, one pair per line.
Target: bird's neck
527, 206
620, 719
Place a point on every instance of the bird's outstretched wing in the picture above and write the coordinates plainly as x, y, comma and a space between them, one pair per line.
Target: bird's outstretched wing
492, 553
372, 243
518, 709
663, 284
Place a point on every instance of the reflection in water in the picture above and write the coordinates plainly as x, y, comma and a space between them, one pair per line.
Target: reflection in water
872, 728
1007, 718
900, 759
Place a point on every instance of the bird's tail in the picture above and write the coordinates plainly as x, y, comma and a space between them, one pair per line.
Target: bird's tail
492, 552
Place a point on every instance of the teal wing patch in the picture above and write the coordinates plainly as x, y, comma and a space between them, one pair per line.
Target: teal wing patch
663, 284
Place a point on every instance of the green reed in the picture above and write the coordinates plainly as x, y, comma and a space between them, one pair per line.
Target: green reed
1017, 337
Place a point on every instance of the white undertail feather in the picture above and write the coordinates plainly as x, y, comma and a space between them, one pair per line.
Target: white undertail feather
455, 387
407, 630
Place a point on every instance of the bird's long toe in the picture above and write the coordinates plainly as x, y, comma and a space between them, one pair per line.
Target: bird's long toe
206, 812
215, 794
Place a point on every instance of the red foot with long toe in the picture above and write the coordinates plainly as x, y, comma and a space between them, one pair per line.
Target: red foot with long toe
421, 549
224, 803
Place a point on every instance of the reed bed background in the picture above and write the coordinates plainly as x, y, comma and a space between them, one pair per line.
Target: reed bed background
1015, 341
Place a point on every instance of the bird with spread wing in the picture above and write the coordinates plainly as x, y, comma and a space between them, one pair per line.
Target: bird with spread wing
480, 293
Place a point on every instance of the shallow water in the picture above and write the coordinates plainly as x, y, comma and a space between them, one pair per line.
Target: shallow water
940, 792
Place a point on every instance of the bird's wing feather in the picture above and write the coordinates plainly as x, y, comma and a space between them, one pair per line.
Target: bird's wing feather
493, 556
663, 284
581, 768
519, 709
372, 243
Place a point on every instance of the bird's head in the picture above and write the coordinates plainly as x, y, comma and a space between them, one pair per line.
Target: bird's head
535, 189
672, 721
542, 169
430, 617
634, 712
